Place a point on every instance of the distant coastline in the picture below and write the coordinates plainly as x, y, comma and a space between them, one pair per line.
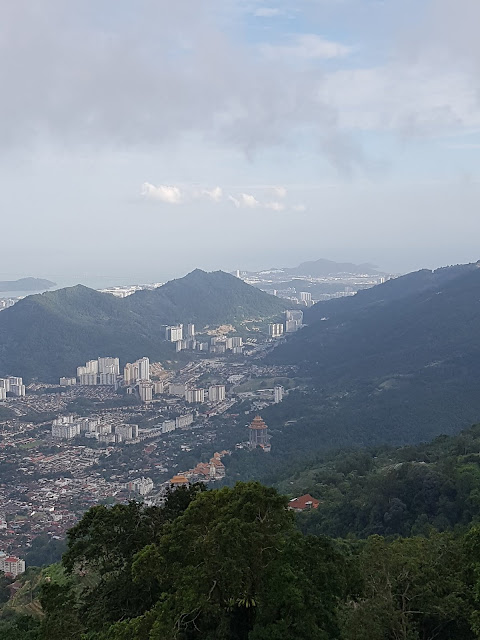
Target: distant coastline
25, 285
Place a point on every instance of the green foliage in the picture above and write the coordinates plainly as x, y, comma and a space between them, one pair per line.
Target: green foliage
392, 491
396, 363
229, 564
413, 589
44, 551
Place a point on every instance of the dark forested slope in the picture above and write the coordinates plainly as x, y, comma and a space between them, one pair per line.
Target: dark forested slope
401, 367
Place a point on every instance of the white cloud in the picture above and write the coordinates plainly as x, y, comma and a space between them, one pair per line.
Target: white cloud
275, 206
215, 194
299, 207
307, 46
164, 193
280, 192
249, 201
234, 201
267, 12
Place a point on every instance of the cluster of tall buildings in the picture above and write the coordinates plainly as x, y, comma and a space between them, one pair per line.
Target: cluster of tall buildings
102, 371
68, 427
183, 336
13, 385
137, 371
293, 322
106, 371
215, 393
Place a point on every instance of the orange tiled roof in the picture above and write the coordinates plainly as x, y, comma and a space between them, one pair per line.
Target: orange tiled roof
304, 502
258, 423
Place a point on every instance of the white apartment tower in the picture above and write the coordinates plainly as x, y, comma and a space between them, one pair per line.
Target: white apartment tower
174, 333
275, 330
216, 393
278, 394
109, 365
145, 390
144, 368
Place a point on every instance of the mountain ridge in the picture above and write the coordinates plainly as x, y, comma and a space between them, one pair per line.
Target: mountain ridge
48, 335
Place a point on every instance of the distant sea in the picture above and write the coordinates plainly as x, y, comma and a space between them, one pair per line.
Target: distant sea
20, 294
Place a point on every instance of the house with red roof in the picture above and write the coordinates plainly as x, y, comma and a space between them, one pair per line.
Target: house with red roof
303, 503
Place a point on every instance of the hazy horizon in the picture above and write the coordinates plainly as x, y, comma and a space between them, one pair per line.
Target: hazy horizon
391, 264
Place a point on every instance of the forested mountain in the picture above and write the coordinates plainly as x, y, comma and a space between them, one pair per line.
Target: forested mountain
49, 335
25, 284
205, 298
396, 363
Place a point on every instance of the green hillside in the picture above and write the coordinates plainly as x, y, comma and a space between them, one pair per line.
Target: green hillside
49, 335
204, 299
393, 491
397, 363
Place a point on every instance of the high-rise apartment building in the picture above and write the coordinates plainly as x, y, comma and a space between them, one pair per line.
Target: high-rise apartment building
136, 371
182, 422
105, 378
5, 384
168, 426
131, 373
195, 395
158, 387
67, 382
109, 365
3, 394
278, 394
216, 393
190, 330
305, 296
144, 368
92, 366
18, 390
275, 330
126, 432
174, 333
88, 379
65, 428
145, 390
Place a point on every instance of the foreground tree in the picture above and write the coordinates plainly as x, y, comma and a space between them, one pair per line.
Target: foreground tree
414, 589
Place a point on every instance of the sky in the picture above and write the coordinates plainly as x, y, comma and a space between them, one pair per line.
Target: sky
140, 140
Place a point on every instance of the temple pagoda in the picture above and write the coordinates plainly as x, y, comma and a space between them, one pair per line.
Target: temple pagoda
258, 434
